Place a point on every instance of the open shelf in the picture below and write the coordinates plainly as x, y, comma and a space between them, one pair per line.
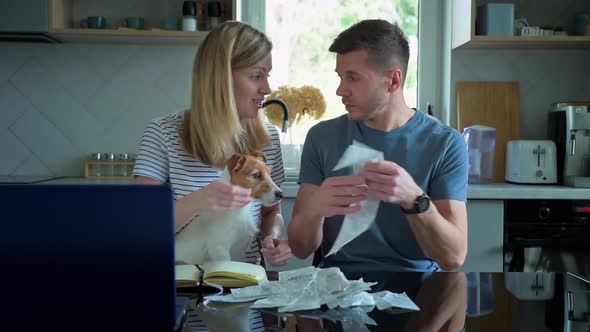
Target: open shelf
128, 35
539, 12
65, 16
523, 42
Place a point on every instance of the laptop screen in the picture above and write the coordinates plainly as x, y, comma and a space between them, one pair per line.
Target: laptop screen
87, 257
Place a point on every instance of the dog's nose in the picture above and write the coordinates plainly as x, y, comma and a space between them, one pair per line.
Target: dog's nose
278, 194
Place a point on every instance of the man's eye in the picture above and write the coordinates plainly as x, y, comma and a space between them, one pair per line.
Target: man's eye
257, 176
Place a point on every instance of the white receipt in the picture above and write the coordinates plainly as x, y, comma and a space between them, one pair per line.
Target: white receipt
357, 155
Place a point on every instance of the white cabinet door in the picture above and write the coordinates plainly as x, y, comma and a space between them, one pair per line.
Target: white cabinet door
485, 219
294, 263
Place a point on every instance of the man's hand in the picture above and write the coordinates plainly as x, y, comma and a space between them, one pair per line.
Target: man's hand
275, 251
391, 183
338, 196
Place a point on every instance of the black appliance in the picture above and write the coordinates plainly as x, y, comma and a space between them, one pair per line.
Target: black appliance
553, 227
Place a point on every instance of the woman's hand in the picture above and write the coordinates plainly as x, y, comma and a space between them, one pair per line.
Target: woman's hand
275, 251
220, 196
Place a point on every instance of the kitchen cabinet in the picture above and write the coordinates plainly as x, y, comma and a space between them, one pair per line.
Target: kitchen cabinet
65, 17
538, 13
485, 220
286, 211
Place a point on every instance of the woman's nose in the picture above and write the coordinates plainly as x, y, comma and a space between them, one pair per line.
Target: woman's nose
265, 89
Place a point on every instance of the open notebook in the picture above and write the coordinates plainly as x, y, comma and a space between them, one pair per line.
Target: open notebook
222, 273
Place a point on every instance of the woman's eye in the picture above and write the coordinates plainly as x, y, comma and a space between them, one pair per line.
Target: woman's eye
257, 176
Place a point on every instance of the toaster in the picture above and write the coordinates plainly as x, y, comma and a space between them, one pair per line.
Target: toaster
531, 161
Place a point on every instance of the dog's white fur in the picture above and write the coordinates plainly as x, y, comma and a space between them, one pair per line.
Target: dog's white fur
224, 235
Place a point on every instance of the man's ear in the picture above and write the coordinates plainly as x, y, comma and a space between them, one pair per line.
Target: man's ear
259, 155
236, 162
394, 79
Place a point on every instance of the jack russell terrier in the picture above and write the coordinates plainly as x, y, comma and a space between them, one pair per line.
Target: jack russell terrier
225, 235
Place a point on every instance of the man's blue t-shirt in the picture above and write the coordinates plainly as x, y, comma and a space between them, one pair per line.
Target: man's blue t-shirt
435, 155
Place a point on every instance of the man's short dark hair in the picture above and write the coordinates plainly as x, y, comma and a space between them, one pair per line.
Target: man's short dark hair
385, 43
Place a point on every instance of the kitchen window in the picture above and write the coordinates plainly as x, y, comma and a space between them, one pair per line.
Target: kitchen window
302, 31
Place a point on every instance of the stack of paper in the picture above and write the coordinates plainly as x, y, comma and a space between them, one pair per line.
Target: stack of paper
310, 288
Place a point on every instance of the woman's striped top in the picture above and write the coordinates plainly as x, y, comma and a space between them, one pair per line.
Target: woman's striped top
161, 157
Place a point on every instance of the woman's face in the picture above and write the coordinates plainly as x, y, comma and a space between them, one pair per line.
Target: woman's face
251, 86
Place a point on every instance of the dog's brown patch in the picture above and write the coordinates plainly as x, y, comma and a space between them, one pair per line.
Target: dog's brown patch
250, 171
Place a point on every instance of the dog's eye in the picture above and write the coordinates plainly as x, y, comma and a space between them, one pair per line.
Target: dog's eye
257, 176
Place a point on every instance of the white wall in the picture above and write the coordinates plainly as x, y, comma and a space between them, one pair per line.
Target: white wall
545, 77
60, 102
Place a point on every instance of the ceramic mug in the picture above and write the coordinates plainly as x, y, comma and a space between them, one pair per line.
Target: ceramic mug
169, 23
582, 23
94, 22
134, 22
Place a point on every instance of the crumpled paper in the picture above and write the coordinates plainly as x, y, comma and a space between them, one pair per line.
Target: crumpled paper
354, 224
309, 288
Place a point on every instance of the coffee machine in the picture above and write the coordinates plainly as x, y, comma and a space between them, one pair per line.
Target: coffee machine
569, 128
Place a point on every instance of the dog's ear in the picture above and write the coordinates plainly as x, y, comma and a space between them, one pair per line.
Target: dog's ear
259, 155
236, 162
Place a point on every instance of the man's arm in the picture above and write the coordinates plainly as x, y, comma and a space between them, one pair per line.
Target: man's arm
441, 232
336, 196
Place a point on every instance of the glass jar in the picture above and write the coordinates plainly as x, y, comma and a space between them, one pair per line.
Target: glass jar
122, 169
95, 166
108, 166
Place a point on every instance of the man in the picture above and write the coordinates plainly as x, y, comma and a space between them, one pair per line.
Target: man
421, 224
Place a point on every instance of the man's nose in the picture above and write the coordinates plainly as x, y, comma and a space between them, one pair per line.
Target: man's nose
341, 91
278, 194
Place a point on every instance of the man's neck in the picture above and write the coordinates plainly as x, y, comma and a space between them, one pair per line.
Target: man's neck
393, 117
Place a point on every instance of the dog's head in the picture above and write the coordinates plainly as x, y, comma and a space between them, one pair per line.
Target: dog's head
250, 171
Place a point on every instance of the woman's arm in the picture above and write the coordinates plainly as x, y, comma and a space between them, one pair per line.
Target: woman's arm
275, 250
216, 196
271, 221
184, 209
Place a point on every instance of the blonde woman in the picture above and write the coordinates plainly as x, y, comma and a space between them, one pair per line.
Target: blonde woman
189, 149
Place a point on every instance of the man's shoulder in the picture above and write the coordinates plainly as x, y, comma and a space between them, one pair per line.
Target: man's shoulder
436, 129
331, 127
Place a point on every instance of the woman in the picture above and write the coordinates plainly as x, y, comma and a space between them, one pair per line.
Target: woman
190, 148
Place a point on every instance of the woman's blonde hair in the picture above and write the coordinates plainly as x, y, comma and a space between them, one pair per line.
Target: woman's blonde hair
212, 130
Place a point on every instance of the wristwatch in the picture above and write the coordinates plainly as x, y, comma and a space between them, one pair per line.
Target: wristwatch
421, 204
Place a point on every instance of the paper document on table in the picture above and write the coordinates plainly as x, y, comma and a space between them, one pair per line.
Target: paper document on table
357, 155
309, 288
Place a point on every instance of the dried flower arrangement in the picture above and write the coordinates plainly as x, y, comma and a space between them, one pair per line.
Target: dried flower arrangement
303, 101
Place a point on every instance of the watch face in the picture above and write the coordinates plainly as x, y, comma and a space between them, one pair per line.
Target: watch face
422, 203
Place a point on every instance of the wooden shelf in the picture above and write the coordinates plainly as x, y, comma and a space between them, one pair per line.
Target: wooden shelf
65, 16
464, 35
128, 36
524, 42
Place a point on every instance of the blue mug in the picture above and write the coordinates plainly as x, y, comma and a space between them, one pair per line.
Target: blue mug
582, 24
94, 22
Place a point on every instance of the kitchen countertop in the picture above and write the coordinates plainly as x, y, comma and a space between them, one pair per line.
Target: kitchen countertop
499, 191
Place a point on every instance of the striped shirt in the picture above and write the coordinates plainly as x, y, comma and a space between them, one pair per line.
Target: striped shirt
162, 158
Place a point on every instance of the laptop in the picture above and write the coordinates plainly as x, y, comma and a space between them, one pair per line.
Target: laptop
87, 257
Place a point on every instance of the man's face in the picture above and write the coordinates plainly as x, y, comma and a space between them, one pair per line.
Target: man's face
250, 87
363, 90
